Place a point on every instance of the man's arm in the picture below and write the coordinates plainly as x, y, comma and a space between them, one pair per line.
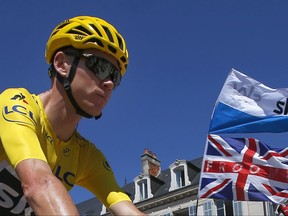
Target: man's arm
125, 208
45, 194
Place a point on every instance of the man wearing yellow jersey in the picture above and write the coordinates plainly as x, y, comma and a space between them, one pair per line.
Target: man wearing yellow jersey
42, 155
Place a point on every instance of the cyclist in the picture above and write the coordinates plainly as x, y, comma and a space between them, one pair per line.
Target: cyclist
42, 155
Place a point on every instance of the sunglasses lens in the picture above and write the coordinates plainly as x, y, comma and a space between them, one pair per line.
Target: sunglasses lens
116, 78
104, 69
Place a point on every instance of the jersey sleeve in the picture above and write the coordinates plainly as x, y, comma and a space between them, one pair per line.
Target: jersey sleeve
18, 123
96, 175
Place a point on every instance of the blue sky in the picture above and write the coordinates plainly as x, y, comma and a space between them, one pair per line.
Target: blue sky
181, 52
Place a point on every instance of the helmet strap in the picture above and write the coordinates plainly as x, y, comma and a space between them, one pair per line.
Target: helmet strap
67, 86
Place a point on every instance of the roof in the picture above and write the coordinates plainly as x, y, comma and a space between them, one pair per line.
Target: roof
162, 185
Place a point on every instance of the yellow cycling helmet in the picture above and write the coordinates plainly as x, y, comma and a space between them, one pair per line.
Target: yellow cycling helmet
85, 32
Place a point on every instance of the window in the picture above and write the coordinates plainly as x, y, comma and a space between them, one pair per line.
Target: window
143, 189
269, 209
192, 210
220, 207
237, 208
207, 208
168, 214
180, 177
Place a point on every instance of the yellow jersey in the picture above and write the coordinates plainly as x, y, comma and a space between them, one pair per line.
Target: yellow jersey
25, 133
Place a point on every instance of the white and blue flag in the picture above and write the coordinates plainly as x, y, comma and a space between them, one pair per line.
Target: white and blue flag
248, 106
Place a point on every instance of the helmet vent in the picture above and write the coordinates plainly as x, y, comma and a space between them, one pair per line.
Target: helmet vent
54, 32
96, 29
79, 30
108, 33
120, 42
62, 25
112, 49
95, 40
123, 59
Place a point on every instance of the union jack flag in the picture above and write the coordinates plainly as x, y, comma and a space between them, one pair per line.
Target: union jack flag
243, 169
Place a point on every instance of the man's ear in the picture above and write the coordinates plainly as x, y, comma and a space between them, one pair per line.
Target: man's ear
60, 64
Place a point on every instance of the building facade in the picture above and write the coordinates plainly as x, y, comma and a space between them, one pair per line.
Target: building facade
173, 192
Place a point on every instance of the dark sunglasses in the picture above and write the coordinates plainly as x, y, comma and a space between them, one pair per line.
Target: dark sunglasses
102, 68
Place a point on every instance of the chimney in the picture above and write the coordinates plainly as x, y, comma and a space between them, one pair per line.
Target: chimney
150, 164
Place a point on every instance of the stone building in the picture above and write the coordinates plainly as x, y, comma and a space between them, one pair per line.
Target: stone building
173, 192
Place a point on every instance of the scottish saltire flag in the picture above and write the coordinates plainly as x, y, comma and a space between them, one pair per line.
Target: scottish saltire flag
243, 169
248, 106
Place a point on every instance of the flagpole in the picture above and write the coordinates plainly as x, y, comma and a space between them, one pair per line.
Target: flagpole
264, 208
197, 206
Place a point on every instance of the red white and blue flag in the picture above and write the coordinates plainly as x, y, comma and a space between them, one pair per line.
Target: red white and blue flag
243, 169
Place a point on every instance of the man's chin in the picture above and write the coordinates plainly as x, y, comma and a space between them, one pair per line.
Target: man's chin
97, 112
